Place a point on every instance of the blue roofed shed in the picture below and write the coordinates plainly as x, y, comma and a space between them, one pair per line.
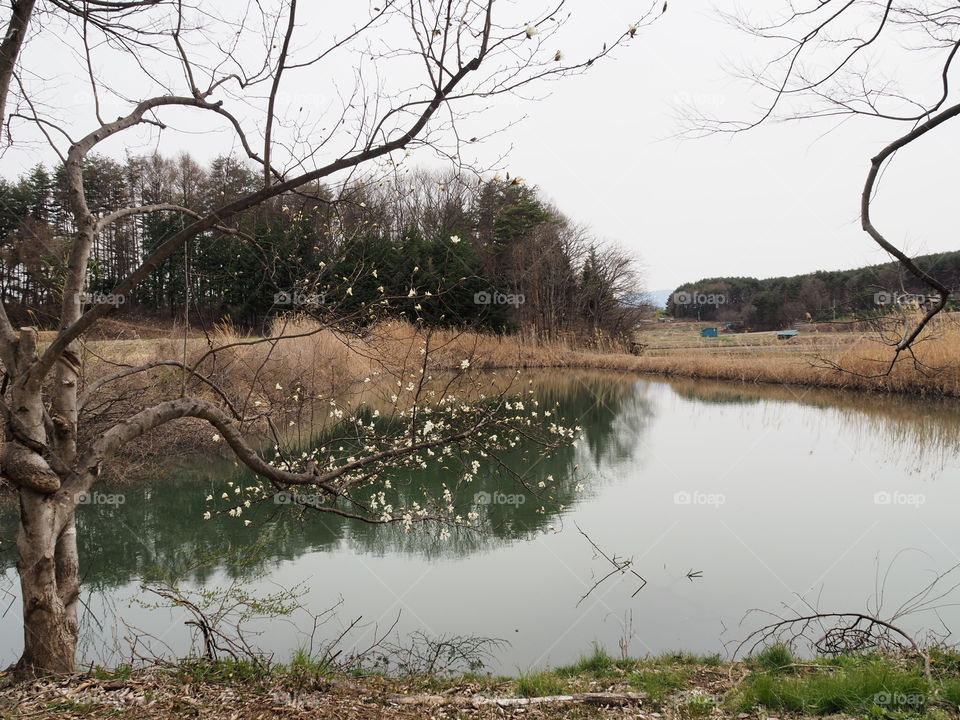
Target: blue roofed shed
708, 332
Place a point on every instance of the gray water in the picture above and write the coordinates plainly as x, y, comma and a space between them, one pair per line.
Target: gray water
768, 498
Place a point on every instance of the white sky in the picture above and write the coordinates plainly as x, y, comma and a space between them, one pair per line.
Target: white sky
780, 200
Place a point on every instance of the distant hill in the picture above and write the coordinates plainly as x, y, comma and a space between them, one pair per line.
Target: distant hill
824, 295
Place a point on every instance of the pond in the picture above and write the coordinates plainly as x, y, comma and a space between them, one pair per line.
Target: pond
726, 497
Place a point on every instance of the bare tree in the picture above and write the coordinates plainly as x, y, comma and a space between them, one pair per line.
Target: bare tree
195, 63
848, 58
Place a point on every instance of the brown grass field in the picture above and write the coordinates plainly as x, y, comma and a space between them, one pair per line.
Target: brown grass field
830, 356
291, 376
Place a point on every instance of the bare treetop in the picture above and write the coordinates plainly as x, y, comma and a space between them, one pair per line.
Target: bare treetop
881, 59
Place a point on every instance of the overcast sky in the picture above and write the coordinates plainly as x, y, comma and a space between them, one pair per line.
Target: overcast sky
779, 200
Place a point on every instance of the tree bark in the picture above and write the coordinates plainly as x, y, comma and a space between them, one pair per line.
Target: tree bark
46, 540
49, 583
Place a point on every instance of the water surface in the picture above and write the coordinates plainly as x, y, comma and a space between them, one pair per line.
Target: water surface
727, 498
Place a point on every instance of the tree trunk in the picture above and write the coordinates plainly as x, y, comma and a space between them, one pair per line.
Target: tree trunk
49, 582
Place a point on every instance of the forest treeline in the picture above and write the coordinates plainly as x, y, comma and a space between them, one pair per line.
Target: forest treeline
440, 248
821, 296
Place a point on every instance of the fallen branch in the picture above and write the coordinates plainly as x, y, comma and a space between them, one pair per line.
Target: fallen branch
620, 565
478, 701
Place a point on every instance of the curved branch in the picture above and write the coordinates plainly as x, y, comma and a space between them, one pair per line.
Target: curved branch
88, 392
867, 222
188, 407
271, 102
158, 207
12, 44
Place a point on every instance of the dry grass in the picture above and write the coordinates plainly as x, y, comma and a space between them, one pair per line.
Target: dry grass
853, 359
302, 360
861, 359
252, 694
292, 374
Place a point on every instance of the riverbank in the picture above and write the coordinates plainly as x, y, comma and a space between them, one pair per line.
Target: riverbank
844, 357
298, 352
292, 375
682, 686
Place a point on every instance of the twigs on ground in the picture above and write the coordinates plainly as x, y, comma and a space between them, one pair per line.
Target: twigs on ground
599, 698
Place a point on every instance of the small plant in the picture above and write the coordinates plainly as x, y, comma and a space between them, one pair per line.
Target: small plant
303, 668
226, 671
541, 684
599, 663
121, 672
775, 658
711, 660
678, 657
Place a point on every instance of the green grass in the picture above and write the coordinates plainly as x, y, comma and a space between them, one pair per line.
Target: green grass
869, 686
659, 682
873, 686
225, 671
950, 692
774, 658
303, 667
599, 663
709, 660
540, 684
657, 677
121, 672
944, 662
685, 658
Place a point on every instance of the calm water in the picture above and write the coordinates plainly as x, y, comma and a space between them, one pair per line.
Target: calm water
774, 497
